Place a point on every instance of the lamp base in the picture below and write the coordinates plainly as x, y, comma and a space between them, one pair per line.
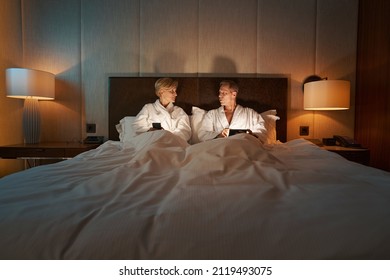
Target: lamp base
31, 121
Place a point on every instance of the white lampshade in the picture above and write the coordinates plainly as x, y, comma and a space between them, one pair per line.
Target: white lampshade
24, 83
327, 95
30, 85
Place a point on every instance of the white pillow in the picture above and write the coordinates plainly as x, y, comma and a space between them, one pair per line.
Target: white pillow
270, 119
125, 128
196, 122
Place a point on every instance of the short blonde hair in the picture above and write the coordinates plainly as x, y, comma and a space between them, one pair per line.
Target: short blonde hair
164, 83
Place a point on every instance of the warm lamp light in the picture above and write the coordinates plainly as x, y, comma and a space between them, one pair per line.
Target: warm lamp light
30, 85
327, 95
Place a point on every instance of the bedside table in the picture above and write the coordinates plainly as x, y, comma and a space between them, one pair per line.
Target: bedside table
45, 150
359, 155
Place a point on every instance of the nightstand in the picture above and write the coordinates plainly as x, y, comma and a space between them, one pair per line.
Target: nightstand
359, 155
44, 151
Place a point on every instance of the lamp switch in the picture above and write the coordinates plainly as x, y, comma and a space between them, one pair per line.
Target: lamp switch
303, 130
91, 128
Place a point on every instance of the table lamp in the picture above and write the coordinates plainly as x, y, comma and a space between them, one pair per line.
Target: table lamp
326, 95
323, 94
30, 85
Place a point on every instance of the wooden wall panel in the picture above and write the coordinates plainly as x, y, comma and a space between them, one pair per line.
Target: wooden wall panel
335, 58
287, 45
51, 42
169, 37
373, 87
110, 46
227, 37
10, 56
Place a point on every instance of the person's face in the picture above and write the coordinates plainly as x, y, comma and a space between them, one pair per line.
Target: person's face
226, 95
168, 95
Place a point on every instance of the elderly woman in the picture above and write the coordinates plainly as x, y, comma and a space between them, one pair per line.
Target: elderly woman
162, 114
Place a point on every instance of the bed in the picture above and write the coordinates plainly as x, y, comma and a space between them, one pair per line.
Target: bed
155, 196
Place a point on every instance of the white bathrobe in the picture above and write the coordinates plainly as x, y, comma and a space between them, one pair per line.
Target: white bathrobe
172, 118
243, 118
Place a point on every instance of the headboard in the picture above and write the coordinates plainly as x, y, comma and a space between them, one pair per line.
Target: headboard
127, 96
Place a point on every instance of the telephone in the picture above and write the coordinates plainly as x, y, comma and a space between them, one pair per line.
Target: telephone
346, 141
94, 140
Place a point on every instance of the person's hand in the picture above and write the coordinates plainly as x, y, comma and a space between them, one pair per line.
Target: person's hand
251, 133
224, 133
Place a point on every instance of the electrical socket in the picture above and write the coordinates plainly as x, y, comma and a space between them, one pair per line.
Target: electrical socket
304, 131
91, 128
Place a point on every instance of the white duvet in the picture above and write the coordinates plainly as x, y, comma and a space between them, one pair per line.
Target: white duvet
159, 198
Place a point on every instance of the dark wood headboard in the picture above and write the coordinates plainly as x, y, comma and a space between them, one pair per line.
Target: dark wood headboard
127, 96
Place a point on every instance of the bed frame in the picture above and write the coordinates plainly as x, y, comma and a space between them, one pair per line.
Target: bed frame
127, 96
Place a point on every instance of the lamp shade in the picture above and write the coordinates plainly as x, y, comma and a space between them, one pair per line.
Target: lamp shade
28, 83
327, 95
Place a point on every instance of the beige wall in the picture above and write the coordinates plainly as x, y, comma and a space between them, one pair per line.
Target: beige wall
51, 37
85, 41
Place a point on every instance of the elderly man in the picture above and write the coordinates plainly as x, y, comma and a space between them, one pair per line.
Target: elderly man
217, 123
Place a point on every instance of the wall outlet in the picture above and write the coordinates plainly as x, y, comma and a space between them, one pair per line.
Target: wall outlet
91, 128
303, 130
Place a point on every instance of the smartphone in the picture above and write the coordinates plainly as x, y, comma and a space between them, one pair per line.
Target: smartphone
156, 125
236, 131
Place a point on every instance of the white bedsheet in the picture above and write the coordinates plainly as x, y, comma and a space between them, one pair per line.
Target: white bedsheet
160, 198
